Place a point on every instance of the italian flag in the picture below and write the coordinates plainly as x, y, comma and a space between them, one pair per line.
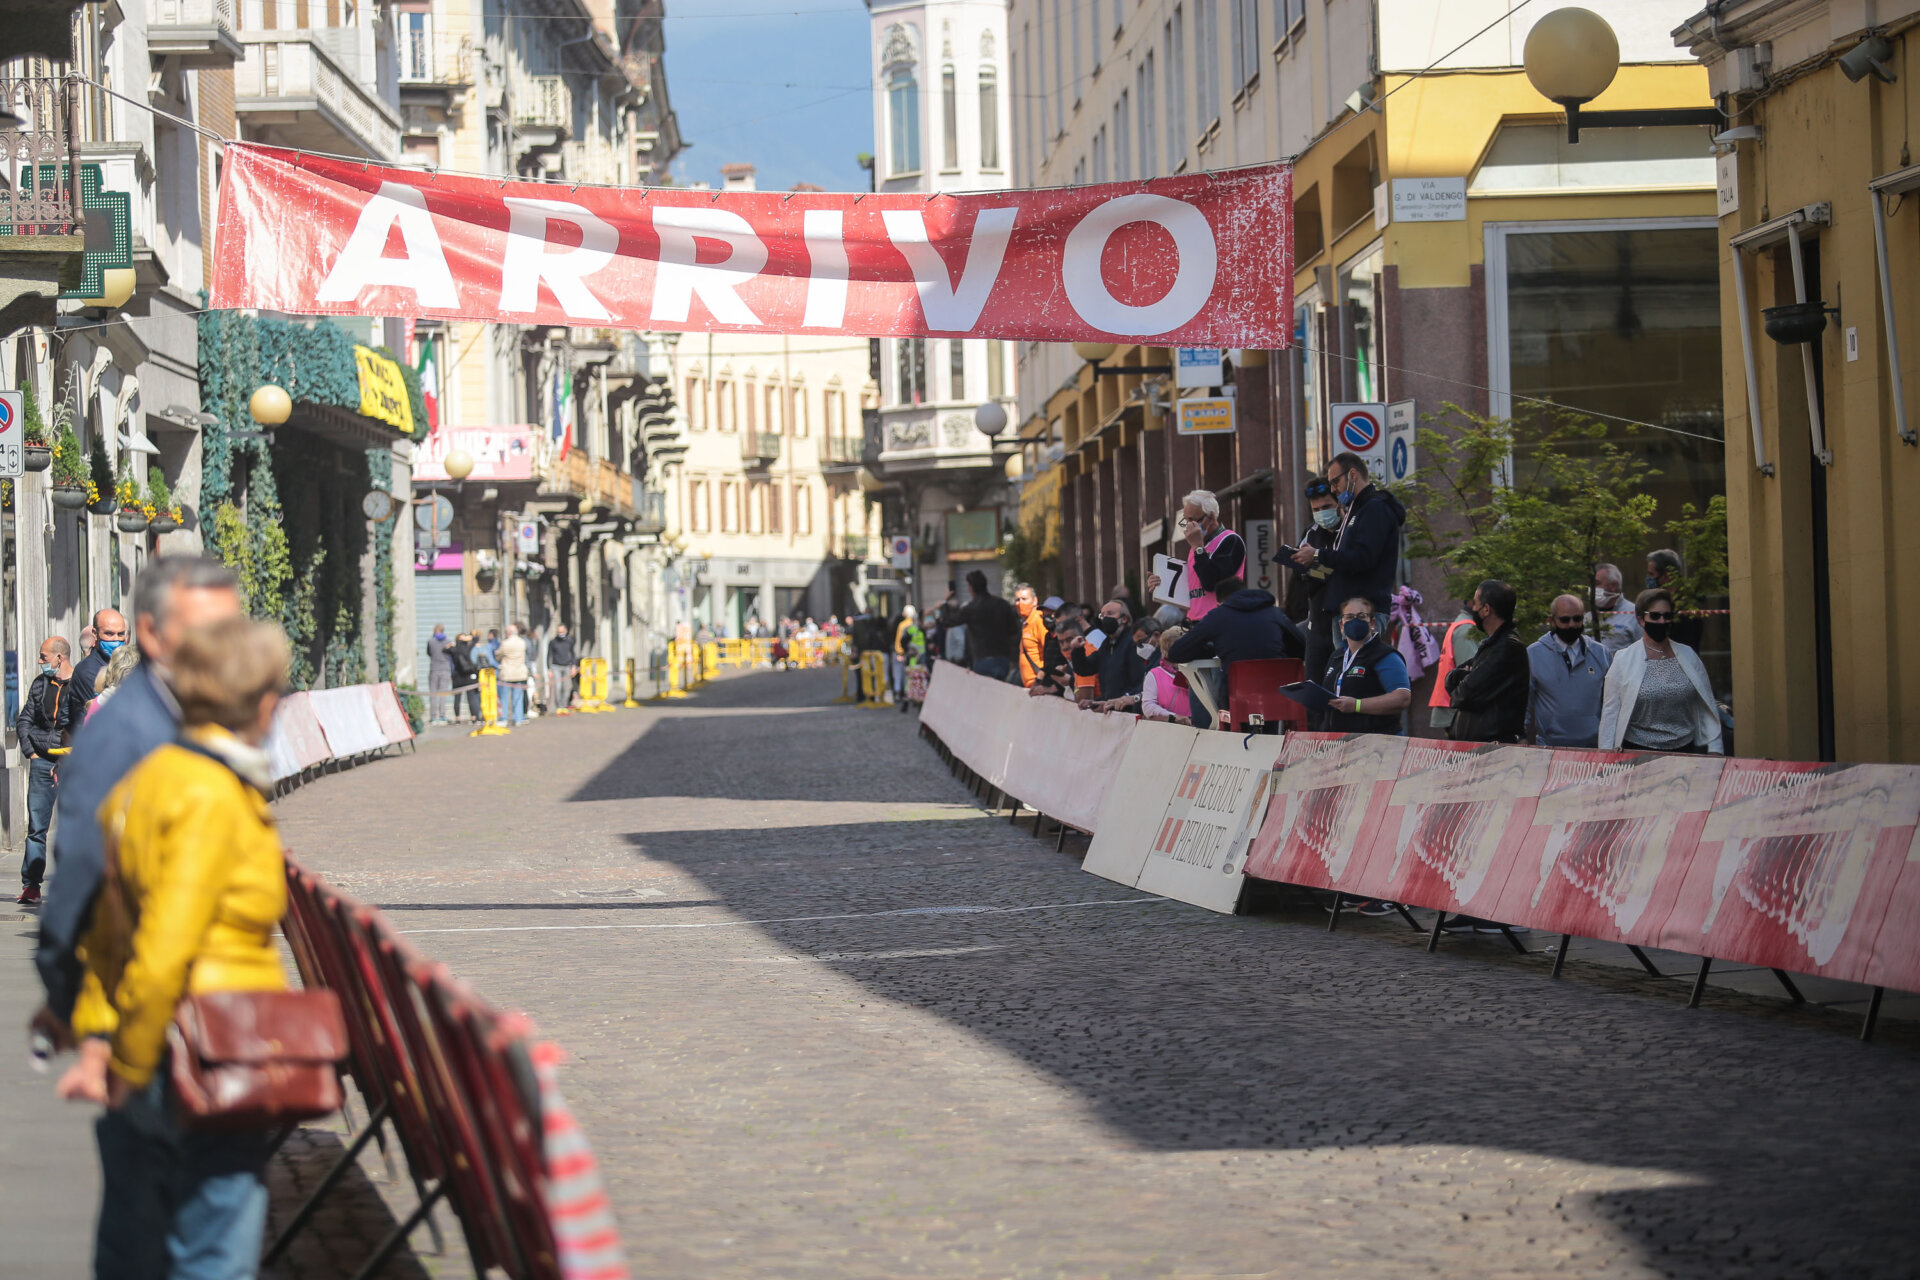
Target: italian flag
563, 418
429, 373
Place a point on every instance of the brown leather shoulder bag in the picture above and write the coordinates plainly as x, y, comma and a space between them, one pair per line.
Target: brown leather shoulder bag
239, 1059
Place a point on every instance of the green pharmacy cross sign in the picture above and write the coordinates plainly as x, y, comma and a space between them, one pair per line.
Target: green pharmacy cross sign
109, 225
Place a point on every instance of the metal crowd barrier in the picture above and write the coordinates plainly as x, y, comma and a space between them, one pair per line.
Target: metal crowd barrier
467, 1092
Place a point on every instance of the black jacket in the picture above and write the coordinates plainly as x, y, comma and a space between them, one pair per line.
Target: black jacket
49, 714
1246, 625
85, 672
460, 658
1367, 554
560, 651
1307, 587
1490, 693
993, 627
1209, 571
1118, 664
1361, 680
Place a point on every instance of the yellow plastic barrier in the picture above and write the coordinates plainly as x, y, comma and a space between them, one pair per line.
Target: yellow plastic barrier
631, 687
873, 679
594, 684
680, 660
489, 706
847, 693
709, 660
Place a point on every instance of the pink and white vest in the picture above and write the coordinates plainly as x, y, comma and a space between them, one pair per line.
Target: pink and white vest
1203, 602
1171, 697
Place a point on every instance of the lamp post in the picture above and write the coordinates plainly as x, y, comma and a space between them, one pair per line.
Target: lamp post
1572, 55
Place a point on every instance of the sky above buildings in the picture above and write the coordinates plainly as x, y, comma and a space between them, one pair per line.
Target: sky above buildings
779, 84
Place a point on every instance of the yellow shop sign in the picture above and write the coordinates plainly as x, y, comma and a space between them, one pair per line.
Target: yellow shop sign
383, 392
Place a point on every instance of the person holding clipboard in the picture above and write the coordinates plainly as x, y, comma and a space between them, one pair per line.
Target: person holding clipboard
1366, 677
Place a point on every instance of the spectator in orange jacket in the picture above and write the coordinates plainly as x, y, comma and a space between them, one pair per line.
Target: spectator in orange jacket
1035, 621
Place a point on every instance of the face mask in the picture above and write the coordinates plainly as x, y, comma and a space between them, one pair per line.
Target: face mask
1657, 631
48, 669
1653, 580
1346, 499
1568, 635
1146, 651
1327, 517
1356, 628
1606, 599
108, 646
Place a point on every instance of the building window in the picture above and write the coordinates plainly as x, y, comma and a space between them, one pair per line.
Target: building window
1246, 43
1287, 14
1059, 76
1149, 150
729, 507
903, 112
698, 518
949, 120
912, 381
695, 406
1122, 153
1077, 26
756, 505
996, 369
1360, 336
753, 408
989, 118
723, 405
1100, 154
1206, 60
1175, 37
776, 499
797, 402
775, 420
416, 43
803, 509
956, 369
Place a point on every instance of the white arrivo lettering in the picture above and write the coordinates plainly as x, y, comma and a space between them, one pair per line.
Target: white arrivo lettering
526, 261
681, 274
827, 276
945, 308
1192, 282
424, 270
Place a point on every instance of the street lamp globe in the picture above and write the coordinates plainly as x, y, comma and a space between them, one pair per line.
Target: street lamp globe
991, 418
1094, 352
270, 405
459, 464
1571, 56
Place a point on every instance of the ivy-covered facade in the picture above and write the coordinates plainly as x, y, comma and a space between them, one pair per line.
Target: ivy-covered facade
286, 513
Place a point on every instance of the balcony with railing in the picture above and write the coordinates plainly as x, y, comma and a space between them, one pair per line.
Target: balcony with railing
650, 513
316, 89
543, 102
759, 449
841, 453
855, 546
195, 33
429, 60
578, 476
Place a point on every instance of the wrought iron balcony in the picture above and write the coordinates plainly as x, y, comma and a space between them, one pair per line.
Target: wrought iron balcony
759, 449
435, 61
195, 33
841, 451
543, 102
37, 197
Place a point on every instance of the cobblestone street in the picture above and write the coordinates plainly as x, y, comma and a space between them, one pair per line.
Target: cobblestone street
830, 1019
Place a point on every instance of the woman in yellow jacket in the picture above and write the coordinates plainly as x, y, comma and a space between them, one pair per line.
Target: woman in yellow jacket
202, 886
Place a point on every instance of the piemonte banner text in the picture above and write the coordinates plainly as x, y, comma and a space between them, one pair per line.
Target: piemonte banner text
1197, 260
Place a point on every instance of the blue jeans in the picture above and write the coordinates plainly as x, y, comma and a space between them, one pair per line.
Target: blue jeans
177, 1205
40, 797
516, 708
993, 668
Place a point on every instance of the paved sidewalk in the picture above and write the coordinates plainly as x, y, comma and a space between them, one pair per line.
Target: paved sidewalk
829, 1019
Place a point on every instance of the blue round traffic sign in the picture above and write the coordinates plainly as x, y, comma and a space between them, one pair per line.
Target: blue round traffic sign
1359, 431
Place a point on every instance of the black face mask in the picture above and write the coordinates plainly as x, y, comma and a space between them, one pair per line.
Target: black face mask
1657, 631
1568, 634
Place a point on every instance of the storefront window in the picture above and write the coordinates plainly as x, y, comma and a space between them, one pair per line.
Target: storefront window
1625, 322
1359, 287
1306, 355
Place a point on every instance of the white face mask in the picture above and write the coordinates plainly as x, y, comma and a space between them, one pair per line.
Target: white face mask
1327, 517
1147, 650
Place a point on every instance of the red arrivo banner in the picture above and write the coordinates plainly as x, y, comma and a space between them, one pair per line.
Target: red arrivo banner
1198, 260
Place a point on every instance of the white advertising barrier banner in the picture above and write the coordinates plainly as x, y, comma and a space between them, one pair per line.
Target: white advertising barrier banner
1136, 798
301, 744
1063, 760
395, 728
976, 718
1198, 847
346, 717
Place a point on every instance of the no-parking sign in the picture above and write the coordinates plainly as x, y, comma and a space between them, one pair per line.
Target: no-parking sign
900, 551
12, 434
1361, 429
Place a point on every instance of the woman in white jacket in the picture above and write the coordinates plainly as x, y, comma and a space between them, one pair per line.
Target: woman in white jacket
1657, 697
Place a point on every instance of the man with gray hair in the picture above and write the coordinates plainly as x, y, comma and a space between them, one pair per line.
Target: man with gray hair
173, 595
1216, 555
1618, 625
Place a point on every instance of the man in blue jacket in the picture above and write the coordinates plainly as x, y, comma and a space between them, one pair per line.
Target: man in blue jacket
1248, 624
1365, 557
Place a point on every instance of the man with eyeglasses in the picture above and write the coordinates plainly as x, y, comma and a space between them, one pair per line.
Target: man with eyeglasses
1306, 602
1569, 678
1365, 555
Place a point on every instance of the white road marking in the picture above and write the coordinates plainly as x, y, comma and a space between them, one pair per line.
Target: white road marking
727, 924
